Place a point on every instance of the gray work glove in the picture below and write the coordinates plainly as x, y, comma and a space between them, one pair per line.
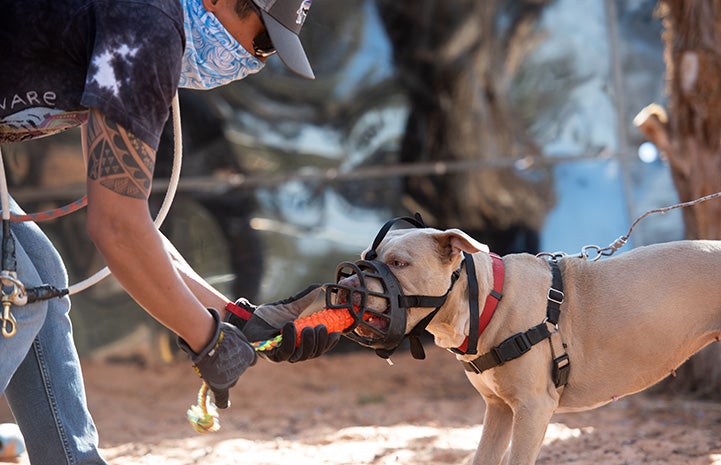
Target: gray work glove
223, 360
269, 320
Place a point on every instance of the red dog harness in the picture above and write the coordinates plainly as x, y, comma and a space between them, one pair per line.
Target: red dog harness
489, 308
520, 343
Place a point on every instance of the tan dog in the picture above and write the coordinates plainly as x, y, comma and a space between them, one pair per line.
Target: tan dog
627, 323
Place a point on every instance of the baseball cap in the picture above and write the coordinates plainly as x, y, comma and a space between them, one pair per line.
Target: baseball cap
283, 19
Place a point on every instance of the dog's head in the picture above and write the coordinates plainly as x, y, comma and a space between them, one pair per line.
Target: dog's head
408, 267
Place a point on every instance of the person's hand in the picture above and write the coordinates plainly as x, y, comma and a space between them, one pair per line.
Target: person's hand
269, 320
223, 360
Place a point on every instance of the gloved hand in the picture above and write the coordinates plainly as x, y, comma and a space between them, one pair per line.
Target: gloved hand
223, 360
269, 320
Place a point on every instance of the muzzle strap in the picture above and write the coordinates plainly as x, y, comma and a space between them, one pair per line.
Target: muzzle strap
425, 301
414, 335
416, 221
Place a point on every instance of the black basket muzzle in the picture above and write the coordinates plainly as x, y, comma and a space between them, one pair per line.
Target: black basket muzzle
370, 292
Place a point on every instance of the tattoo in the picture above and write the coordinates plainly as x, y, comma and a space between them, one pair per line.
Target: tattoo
117, 159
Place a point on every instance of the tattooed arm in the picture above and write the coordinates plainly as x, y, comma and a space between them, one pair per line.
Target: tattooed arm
119, 177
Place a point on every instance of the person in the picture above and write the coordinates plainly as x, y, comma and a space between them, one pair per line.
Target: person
112, 67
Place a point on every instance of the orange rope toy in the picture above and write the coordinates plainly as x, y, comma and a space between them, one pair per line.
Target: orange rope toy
204, 415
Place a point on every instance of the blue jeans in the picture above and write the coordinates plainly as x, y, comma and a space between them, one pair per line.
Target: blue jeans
39, 368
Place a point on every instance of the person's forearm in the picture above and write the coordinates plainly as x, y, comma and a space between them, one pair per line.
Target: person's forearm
119, 175
207, 294
133, 249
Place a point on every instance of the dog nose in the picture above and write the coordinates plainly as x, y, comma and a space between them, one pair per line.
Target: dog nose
341, 296
350, 281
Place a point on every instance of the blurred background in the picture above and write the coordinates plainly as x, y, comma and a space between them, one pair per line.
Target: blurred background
512, 120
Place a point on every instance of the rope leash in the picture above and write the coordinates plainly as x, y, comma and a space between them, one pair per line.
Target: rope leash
203, 416
690, 203
594, 252
55, 213
12, 290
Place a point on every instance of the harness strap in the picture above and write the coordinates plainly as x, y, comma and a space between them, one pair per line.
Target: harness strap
478, 324
561, 364
509, 349
473, 323
520, 343
555, 295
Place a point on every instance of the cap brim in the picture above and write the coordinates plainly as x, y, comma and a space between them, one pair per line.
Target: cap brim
289, 48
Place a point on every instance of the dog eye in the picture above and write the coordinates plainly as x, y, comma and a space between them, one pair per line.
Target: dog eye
397, 264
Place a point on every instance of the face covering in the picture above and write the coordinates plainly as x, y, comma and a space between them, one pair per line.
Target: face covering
212, 56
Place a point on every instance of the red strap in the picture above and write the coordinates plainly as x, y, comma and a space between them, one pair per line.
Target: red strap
491, 301
238, 311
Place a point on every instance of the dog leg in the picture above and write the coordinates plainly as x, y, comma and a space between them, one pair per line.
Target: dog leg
530, 421
496, 435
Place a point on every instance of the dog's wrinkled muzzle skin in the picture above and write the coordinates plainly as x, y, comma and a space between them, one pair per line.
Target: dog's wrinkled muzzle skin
369, 291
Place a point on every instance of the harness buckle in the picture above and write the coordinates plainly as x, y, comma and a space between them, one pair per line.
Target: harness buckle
556, 296
511, 348
471, 366
561, 370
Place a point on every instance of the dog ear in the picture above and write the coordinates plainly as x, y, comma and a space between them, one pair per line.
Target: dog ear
455, 241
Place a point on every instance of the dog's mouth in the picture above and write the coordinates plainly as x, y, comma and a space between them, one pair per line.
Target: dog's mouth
381, 324
370, 292
376, 319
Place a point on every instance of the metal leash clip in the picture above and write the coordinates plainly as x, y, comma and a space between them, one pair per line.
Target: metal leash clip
13, 293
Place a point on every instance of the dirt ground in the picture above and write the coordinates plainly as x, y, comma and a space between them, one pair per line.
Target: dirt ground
354, 408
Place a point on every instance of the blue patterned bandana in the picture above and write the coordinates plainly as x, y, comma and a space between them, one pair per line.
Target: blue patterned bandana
212, 56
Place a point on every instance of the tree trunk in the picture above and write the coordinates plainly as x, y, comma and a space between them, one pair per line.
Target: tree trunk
457, 60
689, 137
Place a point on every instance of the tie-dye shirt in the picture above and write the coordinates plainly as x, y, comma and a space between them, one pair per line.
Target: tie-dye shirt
61, 57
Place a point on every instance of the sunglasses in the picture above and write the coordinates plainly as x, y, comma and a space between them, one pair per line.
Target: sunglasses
262, 46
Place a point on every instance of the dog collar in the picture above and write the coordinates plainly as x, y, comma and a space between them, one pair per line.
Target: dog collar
478, 323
